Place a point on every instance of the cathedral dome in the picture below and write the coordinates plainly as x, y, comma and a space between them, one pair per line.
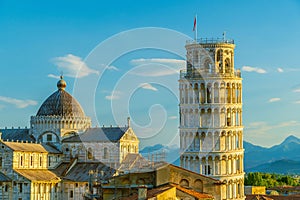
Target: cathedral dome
61, 103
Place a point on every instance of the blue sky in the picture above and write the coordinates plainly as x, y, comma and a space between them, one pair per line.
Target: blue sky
38, 40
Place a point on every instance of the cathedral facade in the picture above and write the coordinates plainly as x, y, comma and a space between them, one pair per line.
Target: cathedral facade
53, 158
211, 130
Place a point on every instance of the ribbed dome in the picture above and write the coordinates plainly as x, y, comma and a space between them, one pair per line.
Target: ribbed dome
61, 103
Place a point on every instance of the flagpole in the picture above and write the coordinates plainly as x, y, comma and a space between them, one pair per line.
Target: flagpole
196, 31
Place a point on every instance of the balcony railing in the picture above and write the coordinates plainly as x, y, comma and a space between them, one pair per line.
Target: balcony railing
210, 41
202, 73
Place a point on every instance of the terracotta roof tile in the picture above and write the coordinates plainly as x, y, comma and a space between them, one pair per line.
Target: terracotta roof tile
193, 192
150, 192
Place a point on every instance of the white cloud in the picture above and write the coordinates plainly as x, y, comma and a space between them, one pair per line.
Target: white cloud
153, 67
154, 73
173, 117
254, 69
18, 102
275, 99
114, 95
265, 134
109, 67
147, 86
142, 61
113, 68
263, 126
53, 76
296, 90
297, 102
72, 66
256, 124
280, 70
292, 69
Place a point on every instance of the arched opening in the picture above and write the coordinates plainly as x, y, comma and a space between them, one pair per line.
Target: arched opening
217, 165
223, 141
196, 93
217, 141
90, 153
184, 183
208, 93
216, 118
227, 65
234, 95
224, 165
219, 60
140, 181
209, 120
207, 65
105, 153
208, 166
125, 181
228, 93
186, 94
202, 92
216, 93
228, 120
198, 184
48, 137
222, 118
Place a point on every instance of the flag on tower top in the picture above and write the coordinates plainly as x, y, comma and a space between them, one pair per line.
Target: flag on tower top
195, 23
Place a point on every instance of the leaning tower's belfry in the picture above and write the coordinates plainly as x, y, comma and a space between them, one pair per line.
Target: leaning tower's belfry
211, 130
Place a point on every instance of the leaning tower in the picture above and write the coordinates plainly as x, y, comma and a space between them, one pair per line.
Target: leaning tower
211, 130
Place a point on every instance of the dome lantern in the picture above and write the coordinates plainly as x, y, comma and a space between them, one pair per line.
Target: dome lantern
61, 84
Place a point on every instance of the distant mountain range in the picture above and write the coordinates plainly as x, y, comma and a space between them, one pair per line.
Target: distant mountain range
158, 151
278, 167
283, 158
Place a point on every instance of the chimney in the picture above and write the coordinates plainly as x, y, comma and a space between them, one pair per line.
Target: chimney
142, 192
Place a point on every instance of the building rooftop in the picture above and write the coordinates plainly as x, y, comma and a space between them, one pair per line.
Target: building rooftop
193, 193
4, 178
30, 147
151, 193
135, 163
272, 197
21, 134
80, 171
210, 41
38, 174
112, 134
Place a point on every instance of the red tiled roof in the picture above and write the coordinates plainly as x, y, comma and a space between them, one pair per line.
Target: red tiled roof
289, 197
272, 197
150, 193
193, 193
